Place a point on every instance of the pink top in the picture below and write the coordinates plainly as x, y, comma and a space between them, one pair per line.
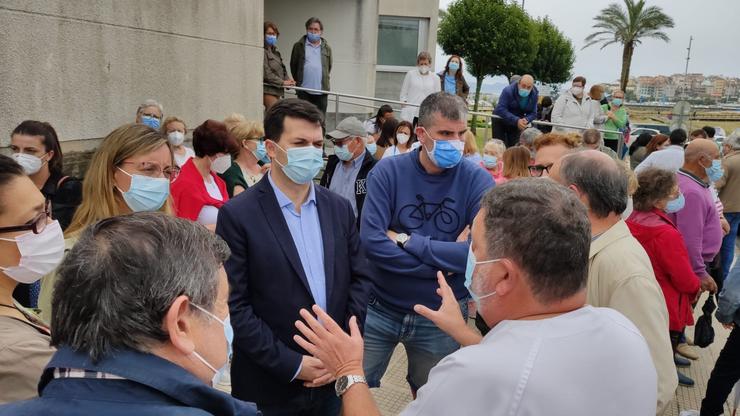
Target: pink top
497, 177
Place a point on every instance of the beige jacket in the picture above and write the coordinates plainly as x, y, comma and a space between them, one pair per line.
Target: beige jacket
621, 277
24, 352
729, 185
47, 285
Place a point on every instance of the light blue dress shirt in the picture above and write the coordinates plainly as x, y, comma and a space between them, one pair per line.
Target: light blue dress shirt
343, 180
312, 70
305, 229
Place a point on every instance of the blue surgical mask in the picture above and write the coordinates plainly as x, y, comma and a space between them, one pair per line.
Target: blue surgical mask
303, 164
271, 40
445, 154
469, 269
715, 171
454, 66
523, 92
617, 101
313, 37
343, 153
490, 161
372, 148
260, 152
229, 335
675, 205
145, 193
152, 122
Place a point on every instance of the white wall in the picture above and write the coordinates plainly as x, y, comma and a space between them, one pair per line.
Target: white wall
350, 29
85, 65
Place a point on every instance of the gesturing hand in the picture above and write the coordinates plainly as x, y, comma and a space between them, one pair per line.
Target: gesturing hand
313, 372
340, 353
708, 284
448, 317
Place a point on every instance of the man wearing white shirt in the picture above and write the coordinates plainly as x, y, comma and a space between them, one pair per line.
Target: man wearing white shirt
547, 352
417, 85
670, 158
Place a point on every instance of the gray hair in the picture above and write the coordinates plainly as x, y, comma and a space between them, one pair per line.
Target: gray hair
149, 103
591, 136
543, 228
424, 55
733, 140
117, 283
528, 135
515, 78
449, 106
603, 182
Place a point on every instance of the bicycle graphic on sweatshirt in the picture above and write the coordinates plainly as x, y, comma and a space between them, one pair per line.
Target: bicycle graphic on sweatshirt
441, 214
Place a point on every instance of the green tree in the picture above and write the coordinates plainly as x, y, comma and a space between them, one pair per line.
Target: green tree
628, 27
555, 54
494, 37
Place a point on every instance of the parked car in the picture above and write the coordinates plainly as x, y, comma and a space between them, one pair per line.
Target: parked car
638, 130
661, 128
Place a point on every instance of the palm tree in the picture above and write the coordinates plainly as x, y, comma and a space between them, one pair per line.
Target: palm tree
628, 27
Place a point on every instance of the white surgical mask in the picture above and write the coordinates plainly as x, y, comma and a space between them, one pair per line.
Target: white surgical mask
576, 91
221, 164
40, 254
30, 163
424, 69
402, 138
229, 335
176, 138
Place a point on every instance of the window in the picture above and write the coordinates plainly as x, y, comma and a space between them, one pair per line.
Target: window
400, 39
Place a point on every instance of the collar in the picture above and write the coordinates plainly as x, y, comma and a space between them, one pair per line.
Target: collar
693, 177
283, 200
356, 162
154, 372
308, 43
617, 232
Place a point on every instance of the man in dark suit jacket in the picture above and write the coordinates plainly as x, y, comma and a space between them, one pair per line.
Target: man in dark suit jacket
293, 245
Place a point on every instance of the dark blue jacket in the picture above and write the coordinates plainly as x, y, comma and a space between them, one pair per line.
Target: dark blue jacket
508, 105
151, 386
269, 287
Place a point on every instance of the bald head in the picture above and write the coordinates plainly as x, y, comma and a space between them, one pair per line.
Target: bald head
701, 147
596, 176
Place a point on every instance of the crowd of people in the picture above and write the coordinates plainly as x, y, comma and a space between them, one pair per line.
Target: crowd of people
246, 259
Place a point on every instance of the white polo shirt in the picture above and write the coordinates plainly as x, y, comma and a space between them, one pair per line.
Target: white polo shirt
592, 361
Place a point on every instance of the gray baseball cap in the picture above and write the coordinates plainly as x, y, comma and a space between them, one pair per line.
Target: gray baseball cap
350, 126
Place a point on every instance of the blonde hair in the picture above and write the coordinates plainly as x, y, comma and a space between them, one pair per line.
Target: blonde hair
233, 119
496, 146
100, 198
247, 130
470, 145
172, 119
516, 162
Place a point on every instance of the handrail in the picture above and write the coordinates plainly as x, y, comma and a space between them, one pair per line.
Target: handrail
385, 100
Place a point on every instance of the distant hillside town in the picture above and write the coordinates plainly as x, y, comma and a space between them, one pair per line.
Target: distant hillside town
698, 88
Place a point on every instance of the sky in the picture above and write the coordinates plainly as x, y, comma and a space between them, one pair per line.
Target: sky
714, 25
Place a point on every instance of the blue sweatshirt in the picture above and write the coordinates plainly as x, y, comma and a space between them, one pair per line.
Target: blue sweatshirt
433, 210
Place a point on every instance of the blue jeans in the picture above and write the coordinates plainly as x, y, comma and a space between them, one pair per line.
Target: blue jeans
425, 344
727, 252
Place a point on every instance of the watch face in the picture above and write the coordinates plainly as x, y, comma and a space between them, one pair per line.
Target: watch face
401, 238
341, 384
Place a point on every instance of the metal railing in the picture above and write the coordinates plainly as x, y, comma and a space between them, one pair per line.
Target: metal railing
490, 116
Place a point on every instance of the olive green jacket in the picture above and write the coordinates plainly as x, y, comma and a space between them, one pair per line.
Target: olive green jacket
274, 72
298, 60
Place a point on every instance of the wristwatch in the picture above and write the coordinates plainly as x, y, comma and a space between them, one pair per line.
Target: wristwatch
402, 239
343, 383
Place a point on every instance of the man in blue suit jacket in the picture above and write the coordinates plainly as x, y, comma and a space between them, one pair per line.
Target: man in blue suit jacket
517, 107
293, 245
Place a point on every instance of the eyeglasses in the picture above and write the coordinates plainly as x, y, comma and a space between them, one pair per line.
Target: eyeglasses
154, 170
37, 224
537, 170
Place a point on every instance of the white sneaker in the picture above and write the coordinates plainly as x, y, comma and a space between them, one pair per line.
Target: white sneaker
689, 413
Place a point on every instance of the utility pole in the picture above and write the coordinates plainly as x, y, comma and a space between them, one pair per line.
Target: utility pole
686, 71
522, 4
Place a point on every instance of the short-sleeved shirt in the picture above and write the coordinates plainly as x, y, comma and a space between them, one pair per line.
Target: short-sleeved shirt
577, 363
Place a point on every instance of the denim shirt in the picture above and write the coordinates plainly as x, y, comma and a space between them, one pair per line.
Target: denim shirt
729, 298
